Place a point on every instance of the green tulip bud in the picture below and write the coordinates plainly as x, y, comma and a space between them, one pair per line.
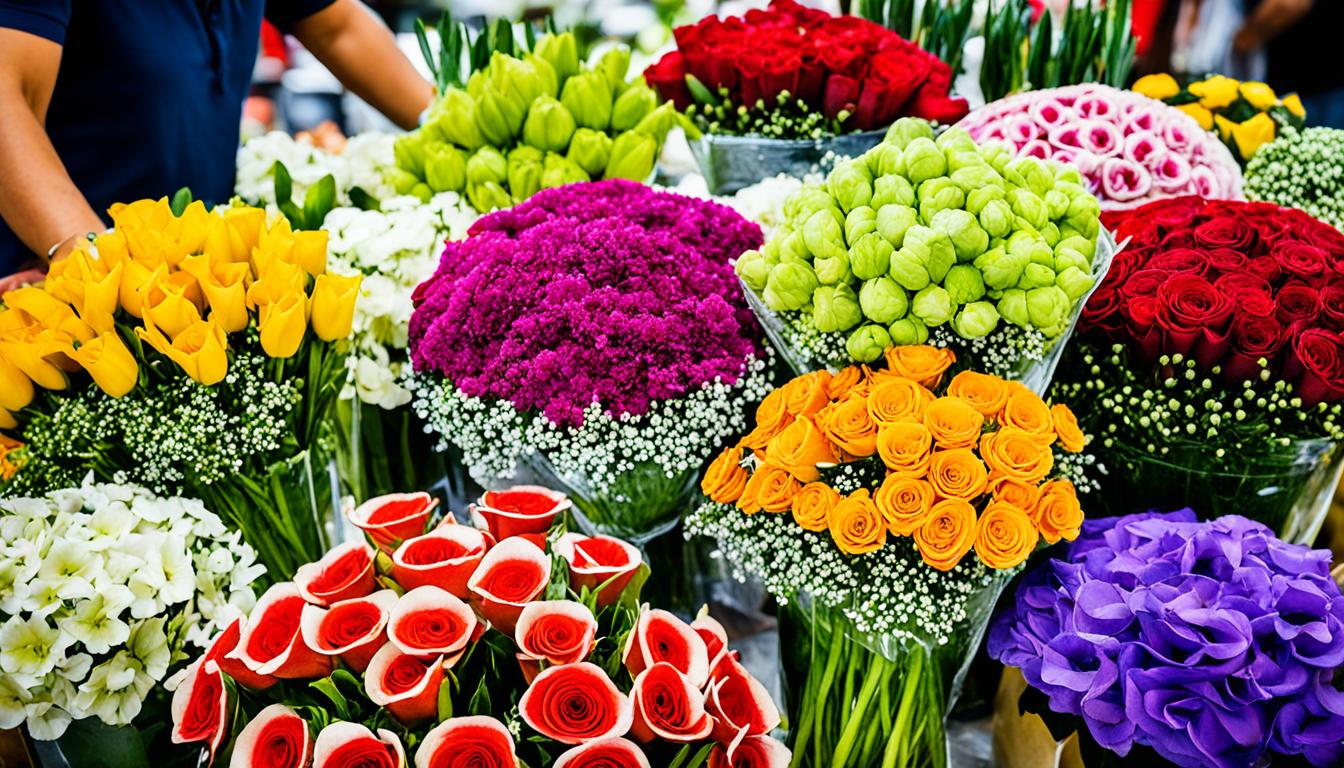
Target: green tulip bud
613, 65
1032, 247
964, 284
632, 105
956, 139
658, 122
1029, 206
548, 82
1049, 308
488, 196
561, 52
976, 177
792, 247
548, 126
870, 256
487, 165
1065, 174
1084, 246
937, 195
454, 118
959, 160
906, 130
590, 150
409, 151
1040, 179
835, 308
515, 79
422, 192
823, 236
977, 199
935, 247
892, 190
859, 222
908, 269
1036, 276
402, 181
588, 98
557, 171
1068, 257
908, 332
968, 239
933, 306
976, 320
996, 218
633, 155
999, 269
851, 185
1013, 307
1050, 233
1057, 203
754, 269
884, 160
789, 286
833, 270
867, 343
883, 300
446, 168
893, 221
525, 170
499, 118
923, 160
807, 200
1074, 282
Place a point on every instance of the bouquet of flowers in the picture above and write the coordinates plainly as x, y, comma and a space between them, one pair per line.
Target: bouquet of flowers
595, 333
516, 644
1213, 352
103, 588
1207, 643
858, 499
1302, 169
1131, 149
1245, 115
537, 120
190, 351
931, 240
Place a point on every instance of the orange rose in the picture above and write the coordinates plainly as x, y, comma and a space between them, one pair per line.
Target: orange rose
1058, 514
849, 426
1019, 494
896, 400
725, 479
904, 503
800, 448
1071, 438
771, 418
904, 448
856, 525
957, 474
1010, 452
954, 424
844, 382
1004, 536
1029, 413
947, 535
983, 392
771, 488
806, 394
813, 504
923, 363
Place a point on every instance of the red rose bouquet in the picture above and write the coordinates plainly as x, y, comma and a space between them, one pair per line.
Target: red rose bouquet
511, 642
1215, 350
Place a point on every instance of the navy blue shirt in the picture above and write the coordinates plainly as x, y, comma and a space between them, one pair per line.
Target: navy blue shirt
149, 95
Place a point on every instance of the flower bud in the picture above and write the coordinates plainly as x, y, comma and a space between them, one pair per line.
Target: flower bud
1048, 308
833, 270
632, 105
561, 51
883, 301
446, 168
1084, 246
525, 169
454, 118
807, 200
1084, 214
964, 284
823, 235
977, 199
870, 256
1066, 257
402, 180
976, 320
859, 222
499, 117
976, 177
908, 270
892, 190
1074, 282
938, 195
590, 150
906, 130
487, 164
548, 83
1013, 307
1036, 276
632, 157
422, 192
658, 122
893, 221
754, 269
908, 332
1050, 233
613, 65
835, 308
867, 343
932, 305
1032, 247
1029, 206
409, 151
884, 160
789, 286
935, 247
588, 98
999, 269
968, 239
1057, 203
1040, 179
850, 184
996, 218
959, 160
923, 160
793, 248
557, 171
956, 139
1066, 174
488, 196
548, 126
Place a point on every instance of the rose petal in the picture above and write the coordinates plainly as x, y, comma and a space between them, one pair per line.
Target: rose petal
393, 518
354, 629
350, 745
521, 509
428, 621
343, 573
661, 636
276, 738
408, 686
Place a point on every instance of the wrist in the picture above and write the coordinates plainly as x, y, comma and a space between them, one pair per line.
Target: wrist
63, 247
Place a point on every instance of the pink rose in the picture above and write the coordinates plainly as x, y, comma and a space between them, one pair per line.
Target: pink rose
556, 632
520, 510
574, 704
660, 636
1101, 138
200, 706
595, 561
408, 686
604, 753
445, 557
391, 519
343, 573
276, 738
467, 742
513, 573
668, 707
350, 745
353, 630
272, 643
428, 621
1123, 180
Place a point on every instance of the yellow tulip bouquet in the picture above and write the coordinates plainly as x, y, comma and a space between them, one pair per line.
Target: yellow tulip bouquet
190, 351
1244, 113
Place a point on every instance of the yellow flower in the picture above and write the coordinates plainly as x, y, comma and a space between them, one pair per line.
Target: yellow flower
7, 421
1158, 87
1258, 94
1216, 92
223, 243
185, 234
108, 361
16, 389
1293, 103
248, 223
29, 356
274, 244
1225, 127
224, 284
1253, 133
200, 349
1202, 116
171, 301
334, 305
283, 324
280, 281
141, 214
310, 251
46, 309
90, 287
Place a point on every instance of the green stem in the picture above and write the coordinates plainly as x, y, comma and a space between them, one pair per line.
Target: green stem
859, 715
836, 650
905, 715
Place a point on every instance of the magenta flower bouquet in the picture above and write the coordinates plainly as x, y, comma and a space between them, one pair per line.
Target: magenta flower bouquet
595, 333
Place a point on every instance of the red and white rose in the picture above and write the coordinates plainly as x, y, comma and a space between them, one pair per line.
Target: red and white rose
661, 636
271, 643
575, 703
467, 742
276, 738
598, 560
445, 557
394, 518
512, 574
350, 745
428, 621
352, 630
523, 510
344, 573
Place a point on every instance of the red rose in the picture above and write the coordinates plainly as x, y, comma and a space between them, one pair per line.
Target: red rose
1253, 337
350, 745
1225, 259
891, 81
220, 653
599, 561
604, 753
445, 557
276, 738
712, 633
1101, 312
1239, 285
1297, 304
391, 519
1319, 234
522, 509
667, 76
839, 93
1265, 267
575, 703
272, 643
345, 572
1316, 364
661, 636
556, 631
668, 707
739, 703
750, 752
353, 630
1190, 308
1332, 304
428, 621
1144, 282
512, 574
1179, 240
200, 706
408, 686
1181, 261
1230, 231
467, 742
1299, 258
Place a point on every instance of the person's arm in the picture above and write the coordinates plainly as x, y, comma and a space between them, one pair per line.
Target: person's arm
37, 198
359, 49
1269, 19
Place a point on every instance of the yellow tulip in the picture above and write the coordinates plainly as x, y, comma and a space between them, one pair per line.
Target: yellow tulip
30, 358
1293, 102
111, 248
1216, 92
201, 350
280, 281
7, 421
334, 299
1253, 133
283, 325
16, 389
310, 251
224, 284
108, 362
223, 243
185, 234
1202, 116
171, 301
1258, 94
1225, 127
46, 309
248, 223
274, 244
141, 214
1158, 87
135, 276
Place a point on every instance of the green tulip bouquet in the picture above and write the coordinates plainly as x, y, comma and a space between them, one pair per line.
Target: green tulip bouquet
931, 240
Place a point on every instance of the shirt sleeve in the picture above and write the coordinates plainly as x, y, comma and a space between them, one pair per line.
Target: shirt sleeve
45, 18
286, 13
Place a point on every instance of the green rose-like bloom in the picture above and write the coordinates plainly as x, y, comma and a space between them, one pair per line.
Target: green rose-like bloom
1057, 203
446, 168
833, 270
558, 171
1036, 276
1065, 174
525, 170
884, 160
409, 150
792, 247
754, 269
823, 236
909, 269
1050, 233
632, 105
996, 218
404, 181
975, 177
892, 190
935, 248
956, 139
1013, 307
859, 222
867, 343
964, 284
870, 256
453, 119
977, 199
923, 160
488, 196
938, 195
499, 117
548, 126
908, 332
1084, 215
789, 286
1029, 206
658, 122
1000, 269
807, 200
590, 150
835, 308
1074, 282
1040, 179
906, 130
1068, 258
422, 191
893, 221
850, 184
548, 83
933, 306
998, 156
588, 98
613, 66
487, 165
882, 300
968, 239
976, 320
1032, 246
1084, 246
632, 156
561, 52
1048, 309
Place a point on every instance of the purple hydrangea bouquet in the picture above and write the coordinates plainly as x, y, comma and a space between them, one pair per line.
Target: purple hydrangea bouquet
1208, 643
594, 334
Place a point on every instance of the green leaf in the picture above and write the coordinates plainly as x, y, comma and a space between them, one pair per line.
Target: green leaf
328, 688
422, 38
699, 92
480, 700
504, 37
363, 200
284, 187
318, 201
181, 199
291, 212
445, 699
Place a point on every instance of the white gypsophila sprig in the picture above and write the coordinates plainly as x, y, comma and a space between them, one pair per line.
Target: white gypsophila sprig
101, 588
1301, 169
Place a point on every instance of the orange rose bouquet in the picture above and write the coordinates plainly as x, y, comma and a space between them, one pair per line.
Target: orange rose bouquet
886, 507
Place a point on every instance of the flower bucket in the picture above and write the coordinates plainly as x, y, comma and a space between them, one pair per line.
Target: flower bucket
730, 163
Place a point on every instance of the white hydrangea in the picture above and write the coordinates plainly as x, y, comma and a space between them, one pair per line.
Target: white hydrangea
101, 589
